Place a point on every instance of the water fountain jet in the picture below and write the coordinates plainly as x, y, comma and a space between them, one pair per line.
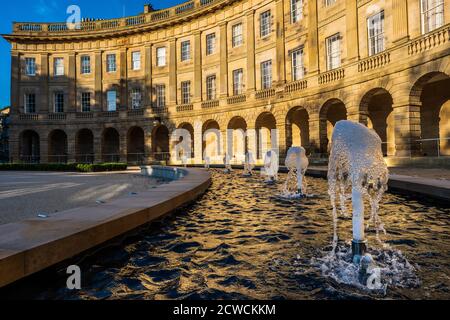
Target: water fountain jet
207, 162
249, 164
297, 164
271, 167
356, 163
227, 163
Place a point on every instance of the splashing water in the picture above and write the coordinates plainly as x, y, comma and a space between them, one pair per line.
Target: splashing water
389, 268
356, 165
297, 163
227, 163
249, 164
357, 170
271, 166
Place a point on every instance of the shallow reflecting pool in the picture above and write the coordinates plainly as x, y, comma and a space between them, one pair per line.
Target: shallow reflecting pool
240, 241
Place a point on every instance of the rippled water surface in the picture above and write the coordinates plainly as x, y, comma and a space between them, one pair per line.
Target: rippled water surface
240, 241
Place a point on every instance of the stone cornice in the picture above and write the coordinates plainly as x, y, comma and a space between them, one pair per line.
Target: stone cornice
145, 23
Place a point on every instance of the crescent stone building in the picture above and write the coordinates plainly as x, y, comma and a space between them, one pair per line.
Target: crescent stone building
116, 90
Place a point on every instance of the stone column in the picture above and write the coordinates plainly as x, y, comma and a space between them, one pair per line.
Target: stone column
148, 144
98, 156
43, 146
71, 147
251, 72
281, 141
313, 42
198, 142
400, 21
98, 85
14, 145
123, 94
15, 83
352, 30
314, 133
123, 146
44, 105
72, 94
147, 94
223, 60
251, 141
280, 42
407, 129
172, 72
197, 66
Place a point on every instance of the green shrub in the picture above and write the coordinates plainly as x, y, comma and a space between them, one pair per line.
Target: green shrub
100, 167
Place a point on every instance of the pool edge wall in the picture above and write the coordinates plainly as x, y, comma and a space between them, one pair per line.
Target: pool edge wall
32, 245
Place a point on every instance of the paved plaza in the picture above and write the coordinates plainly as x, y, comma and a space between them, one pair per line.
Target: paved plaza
25, 195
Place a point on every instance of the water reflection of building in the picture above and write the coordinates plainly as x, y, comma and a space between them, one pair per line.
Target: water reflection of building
4, 134
116, 89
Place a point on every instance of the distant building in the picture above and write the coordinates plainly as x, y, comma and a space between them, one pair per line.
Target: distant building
117, 89
4, 134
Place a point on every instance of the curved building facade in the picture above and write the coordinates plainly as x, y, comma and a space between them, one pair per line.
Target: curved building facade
116, 90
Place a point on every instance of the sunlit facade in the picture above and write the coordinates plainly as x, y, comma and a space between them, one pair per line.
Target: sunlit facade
116, 90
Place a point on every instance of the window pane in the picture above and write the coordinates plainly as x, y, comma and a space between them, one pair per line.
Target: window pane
111, 63
111, 100
86, 102
265, 23
238, 76
85, 65
237, 35
59, 66
30, 66
210, 43
59, 102
296, 10
161, 57
266, 74
136, 60
185, 50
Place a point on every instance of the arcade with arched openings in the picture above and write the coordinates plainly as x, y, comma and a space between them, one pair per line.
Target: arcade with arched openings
135, 145
237, 144
377, 104
84, 146
431, 94
331, 112
265, 136
57, 147
188, 134
297, 128
212, 141
161, 143
29, 147
110, 145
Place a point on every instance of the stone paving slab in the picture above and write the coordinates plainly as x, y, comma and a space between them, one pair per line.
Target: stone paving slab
32, 245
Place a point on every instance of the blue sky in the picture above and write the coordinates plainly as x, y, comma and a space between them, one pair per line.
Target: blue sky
55, 11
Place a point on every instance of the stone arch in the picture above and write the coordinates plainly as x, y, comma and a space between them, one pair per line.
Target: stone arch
136, 145
237, 143
265, 140
84, 146
110, 145
190, 128
332, 111
29, 147
377, 103
161, 143
212, 140
57, 146
297, 127
431, 93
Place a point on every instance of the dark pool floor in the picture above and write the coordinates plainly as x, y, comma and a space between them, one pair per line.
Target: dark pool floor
239, 241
